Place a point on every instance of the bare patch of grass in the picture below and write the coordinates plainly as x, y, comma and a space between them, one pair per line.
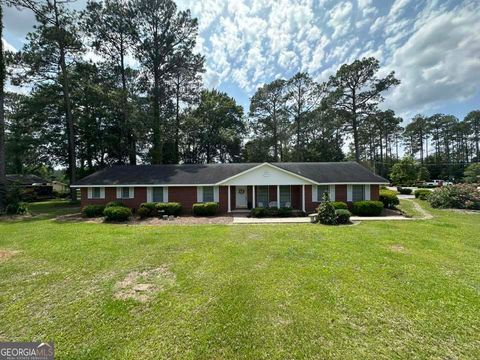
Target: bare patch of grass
397, 248
7, 254
143, 285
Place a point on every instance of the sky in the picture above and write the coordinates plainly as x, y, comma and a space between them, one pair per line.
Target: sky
432, 45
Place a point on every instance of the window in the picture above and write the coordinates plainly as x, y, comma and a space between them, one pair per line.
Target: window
322, 189
124, 192
285, 198
157, 194
358, 192
262, 196
96, 193
208, 194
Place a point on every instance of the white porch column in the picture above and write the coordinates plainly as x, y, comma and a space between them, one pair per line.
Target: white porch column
229, 202
278, 196
253, 197
303, 198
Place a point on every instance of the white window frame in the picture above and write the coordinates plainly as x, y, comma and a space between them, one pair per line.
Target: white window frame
363, 197
150, 194
131, 192
216, 193
315, 193
90, 193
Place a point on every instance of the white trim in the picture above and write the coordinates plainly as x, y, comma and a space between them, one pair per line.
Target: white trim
309, 181
349, 193
102, 193
229, 202
149, 194
216, 194
254, 204
89, 193
199, 194
331, 192
367, 192
165, 194
314, 193
303, 198
131, 192
195, 185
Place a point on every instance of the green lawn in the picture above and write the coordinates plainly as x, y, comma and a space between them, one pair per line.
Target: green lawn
404, 289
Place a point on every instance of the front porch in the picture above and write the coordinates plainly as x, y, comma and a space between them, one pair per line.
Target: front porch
243, 198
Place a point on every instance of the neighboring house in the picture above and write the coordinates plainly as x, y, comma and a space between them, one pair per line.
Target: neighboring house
32, 187
236, 187
59, 186
26, 180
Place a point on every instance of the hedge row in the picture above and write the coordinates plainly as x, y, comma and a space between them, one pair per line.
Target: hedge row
152, 209
205, 209
367, 208
389, 198
271, 212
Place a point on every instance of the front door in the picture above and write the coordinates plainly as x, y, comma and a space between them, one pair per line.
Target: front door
241, 201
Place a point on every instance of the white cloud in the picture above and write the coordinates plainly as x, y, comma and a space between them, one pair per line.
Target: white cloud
340, 18
439, 62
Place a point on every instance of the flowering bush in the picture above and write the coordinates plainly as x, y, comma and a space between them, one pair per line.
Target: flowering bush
460, 196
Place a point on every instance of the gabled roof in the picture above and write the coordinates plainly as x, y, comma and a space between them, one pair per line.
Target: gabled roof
212, 174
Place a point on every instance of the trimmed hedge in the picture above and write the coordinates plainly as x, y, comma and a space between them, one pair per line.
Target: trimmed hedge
404, 191
117, 213
93, 210
115, 203
148, 209
343, 216
422, 194
367, 208
389, 199
339, 205
170, 208
205, 209
271, 212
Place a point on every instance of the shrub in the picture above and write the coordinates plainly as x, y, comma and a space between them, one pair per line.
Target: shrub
460, 196
205, 209
422, 194
343, 216
339, 205
326, 212
115, 203
16, 208
389, 199
259, 212
93, 210
367, 208
144, 212
117, 213
404, 191
284, 212
148, 209
170, 208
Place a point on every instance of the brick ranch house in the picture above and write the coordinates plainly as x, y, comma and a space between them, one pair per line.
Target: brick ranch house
236, 187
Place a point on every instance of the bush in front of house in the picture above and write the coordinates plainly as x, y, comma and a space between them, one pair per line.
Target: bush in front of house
367, 208
389, 199
339, 205
404, 191
343, 216
326, 212
170, 208
115, 203
422, 194
271, 212
205, 209
144, 212
16, 208
147, 209
460, 196
117, 213
91, 211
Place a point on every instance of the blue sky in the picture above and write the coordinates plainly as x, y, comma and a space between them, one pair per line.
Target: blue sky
432, 45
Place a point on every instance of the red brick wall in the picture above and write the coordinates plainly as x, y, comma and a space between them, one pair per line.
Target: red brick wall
185, 195
272, 193
309, 205
296, 196
341, 193
374, 192
223, 199
140, 196
233, 198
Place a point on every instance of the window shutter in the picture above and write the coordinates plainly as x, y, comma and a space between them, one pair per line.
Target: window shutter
199, 194
216, 194
165, 194
102, 193
367, 192
89, 191
149, 194
119, 192
131, 192
331, 192
349, 193
314, 193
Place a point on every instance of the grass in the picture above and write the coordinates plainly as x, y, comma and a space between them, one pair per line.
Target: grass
400, 289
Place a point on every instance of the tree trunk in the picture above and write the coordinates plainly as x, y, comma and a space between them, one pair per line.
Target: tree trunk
127, 131
68, 106
177, 121
157, 148
3, 180
275, 130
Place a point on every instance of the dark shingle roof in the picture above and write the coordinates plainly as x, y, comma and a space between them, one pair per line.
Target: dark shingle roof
333, 172
25, 179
